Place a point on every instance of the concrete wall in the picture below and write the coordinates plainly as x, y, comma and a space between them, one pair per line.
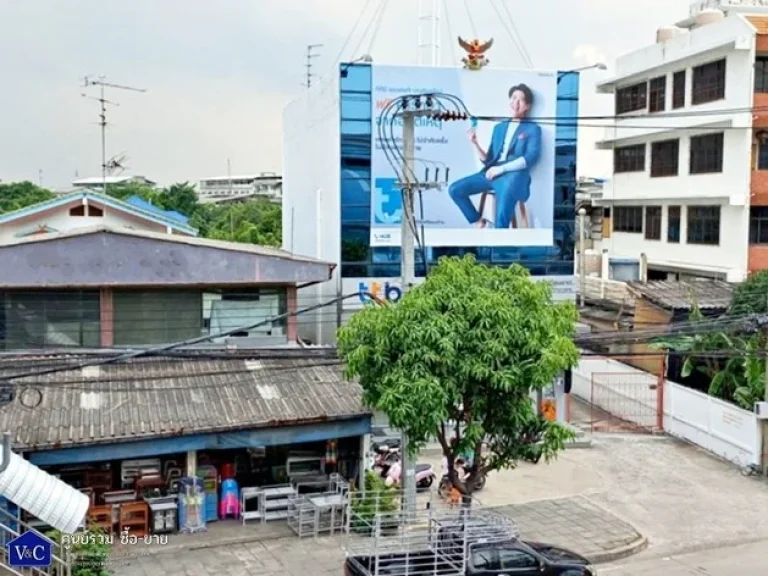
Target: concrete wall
717, 426
311, 193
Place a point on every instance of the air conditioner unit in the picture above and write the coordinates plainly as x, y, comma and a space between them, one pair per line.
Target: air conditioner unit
761, 410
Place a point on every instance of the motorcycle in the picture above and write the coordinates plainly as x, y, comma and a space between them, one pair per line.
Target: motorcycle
462, 469
389, 467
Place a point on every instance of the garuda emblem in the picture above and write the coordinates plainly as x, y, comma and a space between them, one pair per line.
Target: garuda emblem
475, 58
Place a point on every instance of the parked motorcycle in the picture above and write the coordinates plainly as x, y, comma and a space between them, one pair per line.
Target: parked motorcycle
445, 486
390, 468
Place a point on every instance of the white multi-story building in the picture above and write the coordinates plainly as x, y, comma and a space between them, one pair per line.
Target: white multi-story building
235, 188
690, 181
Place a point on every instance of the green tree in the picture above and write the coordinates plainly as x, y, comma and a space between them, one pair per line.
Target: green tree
458, 358
180, 197
18, 195
738, 378
125, 190
751, 296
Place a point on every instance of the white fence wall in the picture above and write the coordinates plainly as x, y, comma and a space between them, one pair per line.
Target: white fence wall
715, 425
624, 392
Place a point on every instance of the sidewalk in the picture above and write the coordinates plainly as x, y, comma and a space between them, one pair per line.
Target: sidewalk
230, 547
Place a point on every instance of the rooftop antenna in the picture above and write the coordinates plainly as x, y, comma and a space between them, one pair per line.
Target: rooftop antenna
310, 55
101, 82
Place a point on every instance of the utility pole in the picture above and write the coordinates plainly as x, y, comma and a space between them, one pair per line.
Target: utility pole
310, 56
100, 82
409, 186
582, 257
40, 177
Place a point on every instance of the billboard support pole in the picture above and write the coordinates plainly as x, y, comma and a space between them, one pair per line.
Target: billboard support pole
408, 272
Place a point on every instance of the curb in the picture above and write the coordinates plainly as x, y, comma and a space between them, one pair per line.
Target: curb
621, 552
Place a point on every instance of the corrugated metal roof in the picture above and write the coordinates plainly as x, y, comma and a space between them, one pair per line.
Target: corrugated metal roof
705, 293
174, 238
146, 399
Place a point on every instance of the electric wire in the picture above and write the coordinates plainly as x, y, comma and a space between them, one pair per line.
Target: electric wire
450, 31
513, 33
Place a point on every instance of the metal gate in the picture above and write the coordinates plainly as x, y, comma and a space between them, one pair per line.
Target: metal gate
627, 402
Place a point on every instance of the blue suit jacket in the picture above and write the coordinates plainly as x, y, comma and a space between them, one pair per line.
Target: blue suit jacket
525, 143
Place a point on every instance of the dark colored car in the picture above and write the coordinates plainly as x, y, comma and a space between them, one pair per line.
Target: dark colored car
510, 558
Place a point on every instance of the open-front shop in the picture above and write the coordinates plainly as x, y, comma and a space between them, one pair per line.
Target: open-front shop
282, 450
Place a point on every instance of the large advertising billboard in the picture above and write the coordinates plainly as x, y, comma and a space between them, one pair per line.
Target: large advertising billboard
501, 172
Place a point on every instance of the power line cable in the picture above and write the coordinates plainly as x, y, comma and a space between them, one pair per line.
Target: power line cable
514, 35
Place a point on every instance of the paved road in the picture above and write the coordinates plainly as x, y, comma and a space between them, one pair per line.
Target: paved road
744, 560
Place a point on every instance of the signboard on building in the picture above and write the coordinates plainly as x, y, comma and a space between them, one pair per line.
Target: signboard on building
500, 165
390, 289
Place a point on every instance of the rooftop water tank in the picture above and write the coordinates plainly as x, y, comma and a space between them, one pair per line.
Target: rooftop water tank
667, 33
709, 16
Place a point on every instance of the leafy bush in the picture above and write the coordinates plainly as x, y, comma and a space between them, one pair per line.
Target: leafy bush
377, 498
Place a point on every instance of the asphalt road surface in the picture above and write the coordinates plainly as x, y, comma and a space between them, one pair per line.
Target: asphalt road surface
743, 560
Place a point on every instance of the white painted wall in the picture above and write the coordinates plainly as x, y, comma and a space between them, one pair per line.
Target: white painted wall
717, 426
60, 220
311, 194
729, 258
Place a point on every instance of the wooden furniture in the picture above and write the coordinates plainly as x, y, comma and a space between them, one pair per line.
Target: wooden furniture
99, 481
117, 497
134, 517
100, 517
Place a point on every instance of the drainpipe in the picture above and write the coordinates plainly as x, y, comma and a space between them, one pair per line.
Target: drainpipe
6, 452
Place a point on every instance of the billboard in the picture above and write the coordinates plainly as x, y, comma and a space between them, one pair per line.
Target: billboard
500, 189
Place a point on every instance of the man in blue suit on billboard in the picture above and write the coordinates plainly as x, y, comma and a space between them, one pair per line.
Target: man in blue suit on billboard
515, 148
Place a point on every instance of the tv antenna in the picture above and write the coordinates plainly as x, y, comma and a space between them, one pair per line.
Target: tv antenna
101, 82
117, 164
310, 55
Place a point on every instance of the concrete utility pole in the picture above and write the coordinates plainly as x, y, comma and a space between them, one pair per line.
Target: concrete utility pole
409, 185
582, 256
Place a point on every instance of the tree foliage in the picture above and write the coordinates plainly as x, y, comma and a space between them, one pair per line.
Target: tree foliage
256, 221
739, 379
458, 358
18, 195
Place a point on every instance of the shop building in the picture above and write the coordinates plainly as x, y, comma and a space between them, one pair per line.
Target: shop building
327, 191
251, 409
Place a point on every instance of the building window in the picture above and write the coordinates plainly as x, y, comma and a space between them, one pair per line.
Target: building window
632, 98
628, 219
706, 154
50, 319
678, 89
758, 225
761, 74
653, 222
708, 82
77, 211
657, 93
704, 225
95, 212
156, 316
629, 158
673, 224
665, 158
762, 155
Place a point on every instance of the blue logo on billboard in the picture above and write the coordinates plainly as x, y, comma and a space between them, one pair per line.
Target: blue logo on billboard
384, 291
388, 202
30, 550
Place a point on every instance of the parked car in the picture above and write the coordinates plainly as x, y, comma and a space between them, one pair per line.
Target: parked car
512, 556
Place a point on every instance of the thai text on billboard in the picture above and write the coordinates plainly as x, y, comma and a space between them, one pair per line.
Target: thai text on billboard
501, 171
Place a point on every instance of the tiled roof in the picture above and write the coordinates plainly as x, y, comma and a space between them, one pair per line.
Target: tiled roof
705, 293
151, 398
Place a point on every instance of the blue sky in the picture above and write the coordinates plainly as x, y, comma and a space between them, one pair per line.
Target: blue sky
218, 74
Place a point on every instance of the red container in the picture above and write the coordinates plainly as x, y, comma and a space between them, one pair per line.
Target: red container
227, 471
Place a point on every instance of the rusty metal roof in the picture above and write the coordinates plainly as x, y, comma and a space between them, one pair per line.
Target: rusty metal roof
151, 398
674, 295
